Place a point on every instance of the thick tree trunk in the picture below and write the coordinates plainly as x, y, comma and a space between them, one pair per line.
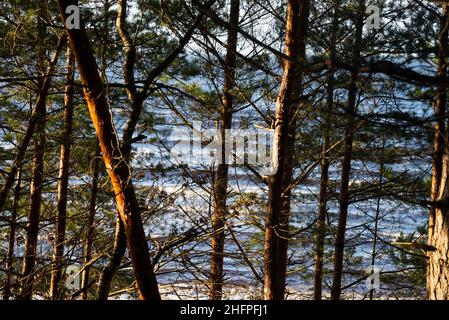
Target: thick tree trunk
119, 250
284, 228
438, 233
63, 181
221, 182
116, 164
137, 99
347, 157
322, 200
438, 265
12, 239
89, 238
283, 143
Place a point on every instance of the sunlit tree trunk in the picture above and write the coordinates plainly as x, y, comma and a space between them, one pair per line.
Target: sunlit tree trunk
438, 233
116, 164
276, 221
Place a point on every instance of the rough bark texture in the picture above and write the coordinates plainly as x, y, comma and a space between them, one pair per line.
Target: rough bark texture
63, 181
221, 178
116, 165
283, 145
438, 235
284, 228
11, 239
347, 157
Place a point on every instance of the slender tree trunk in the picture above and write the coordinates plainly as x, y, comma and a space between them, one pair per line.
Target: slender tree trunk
12, 238
89, 238
221, 182
438, 233
324, 180
37, 110
283, 143
322, 201
63, 181
136, 101
347, 157
109, 271
137, 98
116, 164
32, 228
376, 217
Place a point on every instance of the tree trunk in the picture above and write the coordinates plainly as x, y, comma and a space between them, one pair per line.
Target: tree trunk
89, 238
376, 217
63, 181
438, 233
324, 180
221, 182
12, 238
136, 101
347, 157
44, 86
116, 164
32, 228
322, 200
107, 275
283, 143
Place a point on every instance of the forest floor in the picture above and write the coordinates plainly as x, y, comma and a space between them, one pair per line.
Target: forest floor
197, 291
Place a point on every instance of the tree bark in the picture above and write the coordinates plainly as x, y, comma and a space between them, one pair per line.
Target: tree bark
221, 179
347, 157
89, 238
116, 164
438, 232
44, 86
63, 181
105, 283
12, 238
137, 99
32, 228
283, 144
324, 179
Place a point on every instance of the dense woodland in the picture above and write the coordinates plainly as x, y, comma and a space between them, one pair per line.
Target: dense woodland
350, 96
